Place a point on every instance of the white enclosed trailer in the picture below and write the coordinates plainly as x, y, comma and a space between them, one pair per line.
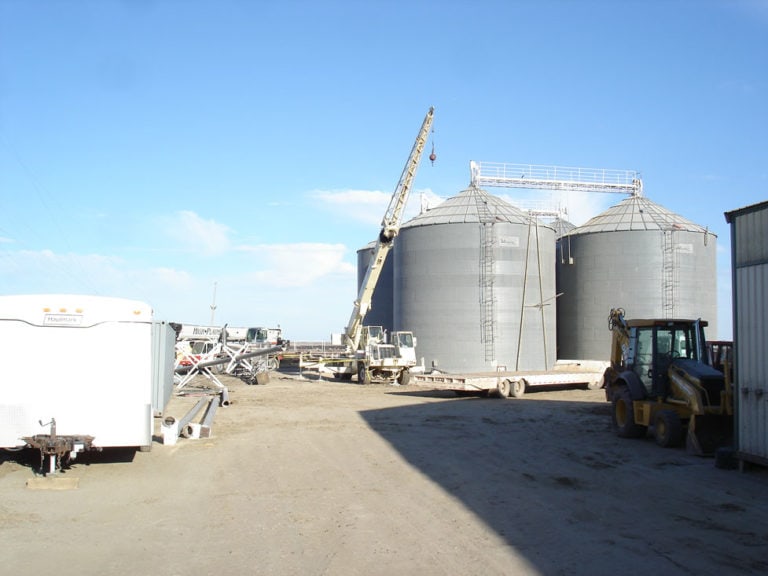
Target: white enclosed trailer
81, 372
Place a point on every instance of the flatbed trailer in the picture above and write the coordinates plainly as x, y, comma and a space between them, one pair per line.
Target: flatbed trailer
505, 384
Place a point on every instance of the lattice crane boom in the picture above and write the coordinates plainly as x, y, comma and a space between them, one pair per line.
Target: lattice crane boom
390, 226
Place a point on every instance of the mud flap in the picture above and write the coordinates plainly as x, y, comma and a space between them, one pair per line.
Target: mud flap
707, 433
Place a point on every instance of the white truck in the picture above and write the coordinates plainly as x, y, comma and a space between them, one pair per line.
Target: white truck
81, 373
250, 335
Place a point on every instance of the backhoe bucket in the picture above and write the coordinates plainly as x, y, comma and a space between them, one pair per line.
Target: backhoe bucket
707, 433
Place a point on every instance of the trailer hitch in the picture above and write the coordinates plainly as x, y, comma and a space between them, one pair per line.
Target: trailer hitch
57, 448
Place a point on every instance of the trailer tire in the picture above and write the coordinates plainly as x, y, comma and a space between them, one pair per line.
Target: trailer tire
503, 388
624, 415
667, 429
518, 388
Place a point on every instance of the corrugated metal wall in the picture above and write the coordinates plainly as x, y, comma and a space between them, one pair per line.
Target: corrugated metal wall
474, 281
639, 256
749, 245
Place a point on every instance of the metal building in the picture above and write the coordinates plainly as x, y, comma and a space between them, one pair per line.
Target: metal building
639, 256
380, 313
749, 262
474, 281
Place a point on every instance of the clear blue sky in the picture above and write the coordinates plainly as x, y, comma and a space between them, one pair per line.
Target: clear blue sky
154, 149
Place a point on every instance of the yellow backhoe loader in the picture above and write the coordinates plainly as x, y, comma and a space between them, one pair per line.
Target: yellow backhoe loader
660, 380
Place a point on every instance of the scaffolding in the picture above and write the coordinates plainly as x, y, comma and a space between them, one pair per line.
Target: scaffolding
566, 178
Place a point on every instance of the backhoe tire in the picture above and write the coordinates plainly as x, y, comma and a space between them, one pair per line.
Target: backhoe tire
624, 416
667, 429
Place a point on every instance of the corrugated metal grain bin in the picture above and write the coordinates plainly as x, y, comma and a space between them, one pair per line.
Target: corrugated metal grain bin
749, 261
474, 281
639, 256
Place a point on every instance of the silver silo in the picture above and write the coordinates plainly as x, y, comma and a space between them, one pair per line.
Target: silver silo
474, 281
639, 256
380, 313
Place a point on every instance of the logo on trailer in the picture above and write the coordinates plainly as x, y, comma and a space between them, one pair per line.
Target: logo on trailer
63, 320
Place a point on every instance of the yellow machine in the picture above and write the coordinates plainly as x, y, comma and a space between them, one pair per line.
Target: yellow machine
660, 380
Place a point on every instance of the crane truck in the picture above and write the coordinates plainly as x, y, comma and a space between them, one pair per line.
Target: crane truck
370, 354
660, 380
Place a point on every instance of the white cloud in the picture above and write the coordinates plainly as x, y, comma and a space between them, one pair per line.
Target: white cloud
369, 206
171, 278
293, 265
576, 207
365, 206
206, 237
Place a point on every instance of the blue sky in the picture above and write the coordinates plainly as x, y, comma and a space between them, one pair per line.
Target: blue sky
156, 149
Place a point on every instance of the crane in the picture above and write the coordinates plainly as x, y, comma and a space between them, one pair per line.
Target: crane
390, 226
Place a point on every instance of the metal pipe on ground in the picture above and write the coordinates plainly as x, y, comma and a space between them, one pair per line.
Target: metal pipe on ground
238, 357
205, 424
174, 428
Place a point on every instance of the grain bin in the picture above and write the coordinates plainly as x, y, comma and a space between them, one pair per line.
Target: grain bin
474, 281
639, 256
380, 312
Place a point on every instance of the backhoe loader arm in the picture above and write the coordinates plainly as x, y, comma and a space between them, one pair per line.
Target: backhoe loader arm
618, 325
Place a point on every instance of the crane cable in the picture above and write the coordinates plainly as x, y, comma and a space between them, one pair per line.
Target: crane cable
433, 156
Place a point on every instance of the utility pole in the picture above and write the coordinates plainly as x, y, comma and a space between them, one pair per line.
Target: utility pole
213, 304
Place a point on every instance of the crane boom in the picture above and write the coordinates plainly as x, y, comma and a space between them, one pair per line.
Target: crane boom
390, 226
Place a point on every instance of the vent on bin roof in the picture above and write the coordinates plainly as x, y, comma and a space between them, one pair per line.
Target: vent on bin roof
471, 205
637, 213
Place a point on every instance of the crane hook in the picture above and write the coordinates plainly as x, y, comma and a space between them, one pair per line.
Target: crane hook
433, 156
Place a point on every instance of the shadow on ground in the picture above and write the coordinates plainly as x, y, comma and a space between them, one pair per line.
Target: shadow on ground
552, 479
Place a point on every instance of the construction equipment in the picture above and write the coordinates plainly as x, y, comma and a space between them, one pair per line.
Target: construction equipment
660, 379
368, 354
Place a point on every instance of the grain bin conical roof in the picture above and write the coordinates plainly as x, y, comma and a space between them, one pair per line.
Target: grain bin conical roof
637, 213
562, 227
468, 206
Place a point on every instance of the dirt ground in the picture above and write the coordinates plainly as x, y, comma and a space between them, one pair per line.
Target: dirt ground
323, 478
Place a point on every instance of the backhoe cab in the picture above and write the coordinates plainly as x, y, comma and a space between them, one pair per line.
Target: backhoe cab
660, 380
